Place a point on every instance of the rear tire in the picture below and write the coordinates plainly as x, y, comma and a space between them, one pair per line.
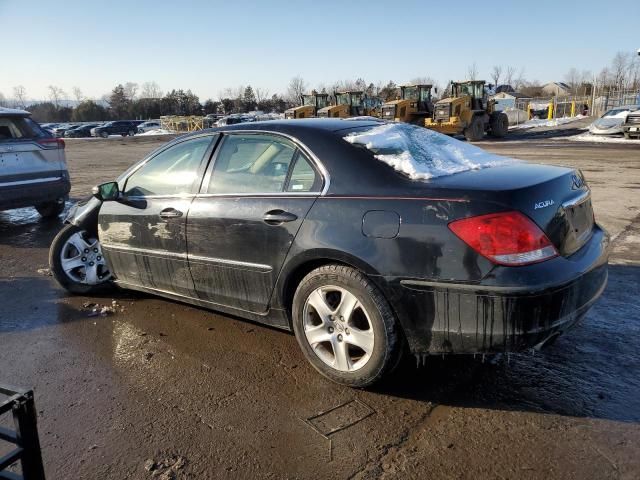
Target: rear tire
345, 327
475, 131
50, 209
499, 124
75, 263
131, 133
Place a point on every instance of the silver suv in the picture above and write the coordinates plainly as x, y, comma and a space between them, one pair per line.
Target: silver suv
33, 167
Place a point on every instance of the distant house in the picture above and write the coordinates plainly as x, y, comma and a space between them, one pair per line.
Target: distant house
505, 88
556, 89
507, 100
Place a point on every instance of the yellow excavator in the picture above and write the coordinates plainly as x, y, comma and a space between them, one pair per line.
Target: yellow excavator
309, 105
413, 106
468, 112
351, 103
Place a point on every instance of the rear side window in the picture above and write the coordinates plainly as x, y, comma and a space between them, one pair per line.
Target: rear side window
16, 128
304, 177
252, 164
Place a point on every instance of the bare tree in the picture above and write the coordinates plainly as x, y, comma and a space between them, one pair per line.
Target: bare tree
496, 73
572, 78
520, 81
56, 94
150, 90
77, 94
261, 94
509, 72
3, 100
20, 96
472, 72
297, 86
130, 90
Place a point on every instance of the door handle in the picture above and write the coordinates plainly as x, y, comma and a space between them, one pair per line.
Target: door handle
277, 217
170, 213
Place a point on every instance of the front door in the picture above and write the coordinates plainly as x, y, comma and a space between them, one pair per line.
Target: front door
255, 197
143, 236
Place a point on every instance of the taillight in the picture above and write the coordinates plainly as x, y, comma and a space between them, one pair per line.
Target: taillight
507, 238
51, 143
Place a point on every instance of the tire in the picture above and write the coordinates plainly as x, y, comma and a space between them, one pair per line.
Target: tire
499, 125
627, 136
333, 288
475, 131
131, 133
50, 209
104, 134
77, 246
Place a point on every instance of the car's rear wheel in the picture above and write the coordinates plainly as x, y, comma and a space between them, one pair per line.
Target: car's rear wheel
50, 209
345, 326
76, 261
132, 133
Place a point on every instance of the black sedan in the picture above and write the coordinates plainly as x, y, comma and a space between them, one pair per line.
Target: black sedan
80, 132
294, 224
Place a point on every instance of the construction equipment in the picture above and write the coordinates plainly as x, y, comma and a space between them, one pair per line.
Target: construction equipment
468, 111
413, 106
310, 104
351, 103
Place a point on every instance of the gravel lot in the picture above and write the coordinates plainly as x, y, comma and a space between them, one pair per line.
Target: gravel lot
165, 388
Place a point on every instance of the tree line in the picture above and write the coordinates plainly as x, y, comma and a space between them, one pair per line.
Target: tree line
133, 101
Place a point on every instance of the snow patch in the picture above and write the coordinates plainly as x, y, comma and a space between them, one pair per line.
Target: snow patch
157, 131
422, 154
588, 137
539, 122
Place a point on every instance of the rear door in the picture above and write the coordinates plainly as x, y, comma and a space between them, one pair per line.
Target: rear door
254, 199
143, 236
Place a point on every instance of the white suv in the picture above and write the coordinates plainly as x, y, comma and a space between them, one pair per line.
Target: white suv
33, 167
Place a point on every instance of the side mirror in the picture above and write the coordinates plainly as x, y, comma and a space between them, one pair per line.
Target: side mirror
107, 191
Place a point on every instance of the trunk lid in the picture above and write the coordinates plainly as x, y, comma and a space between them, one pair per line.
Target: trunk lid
557, 199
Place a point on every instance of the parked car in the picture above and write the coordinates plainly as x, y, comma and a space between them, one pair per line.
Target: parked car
631, 127
81, 131
58, 130
118, 127
33, 167
611, 121
234, 119
297, 225
147, 126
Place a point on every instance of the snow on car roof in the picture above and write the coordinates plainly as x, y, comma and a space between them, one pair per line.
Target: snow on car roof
13, 111
421, 153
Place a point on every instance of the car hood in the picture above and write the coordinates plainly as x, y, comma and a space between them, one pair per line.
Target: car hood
606, 123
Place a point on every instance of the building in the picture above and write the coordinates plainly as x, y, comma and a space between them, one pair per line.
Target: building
556, 89
507, 100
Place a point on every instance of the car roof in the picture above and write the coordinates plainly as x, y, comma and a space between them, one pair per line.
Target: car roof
13, 112
300, 125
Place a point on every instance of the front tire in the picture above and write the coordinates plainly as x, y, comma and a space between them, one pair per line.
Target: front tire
499, 123
475, 130
345, 326
76, 261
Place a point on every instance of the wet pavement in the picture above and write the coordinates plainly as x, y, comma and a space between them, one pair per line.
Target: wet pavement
161, 388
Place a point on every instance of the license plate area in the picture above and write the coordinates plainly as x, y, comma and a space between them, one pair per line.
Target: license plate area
580, 221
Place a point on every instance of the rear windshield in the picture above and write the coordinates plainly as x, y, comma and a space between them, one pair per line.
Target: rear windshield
20, 128
420, 153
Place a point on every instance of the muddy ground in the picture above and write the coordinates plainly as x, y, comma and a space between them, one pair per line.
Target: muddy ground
161, 388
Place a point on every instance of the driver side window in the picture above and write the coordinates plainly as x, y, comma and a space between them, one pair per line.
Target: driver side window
250, 163
171, 172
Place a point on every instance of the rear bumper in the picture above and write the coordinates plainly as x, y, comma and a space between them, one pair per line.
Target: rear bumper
34, 191
502, 314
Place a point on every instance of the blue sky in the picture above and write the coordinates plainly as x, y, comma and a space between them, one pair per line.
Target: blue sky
210, 45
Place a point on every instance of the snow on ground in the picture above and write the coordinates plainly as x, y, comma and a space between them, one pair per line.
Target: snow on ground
157, 131
588, 137
420, 153
539, 122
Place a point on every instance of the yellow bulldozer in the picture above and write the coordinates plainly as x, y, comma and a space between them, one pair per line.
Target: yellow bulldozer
468, 112
309, 105
351, 103
413, 106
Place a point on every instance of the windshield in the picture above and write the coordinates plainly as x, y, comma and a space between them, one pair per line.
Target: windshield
475, 90
342, 98
356, 99
410, 93
323, 101
309, 100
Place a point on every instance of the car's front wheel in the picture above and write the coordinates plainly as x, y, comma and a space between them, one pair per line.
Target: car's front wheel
76, 261
345, 326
